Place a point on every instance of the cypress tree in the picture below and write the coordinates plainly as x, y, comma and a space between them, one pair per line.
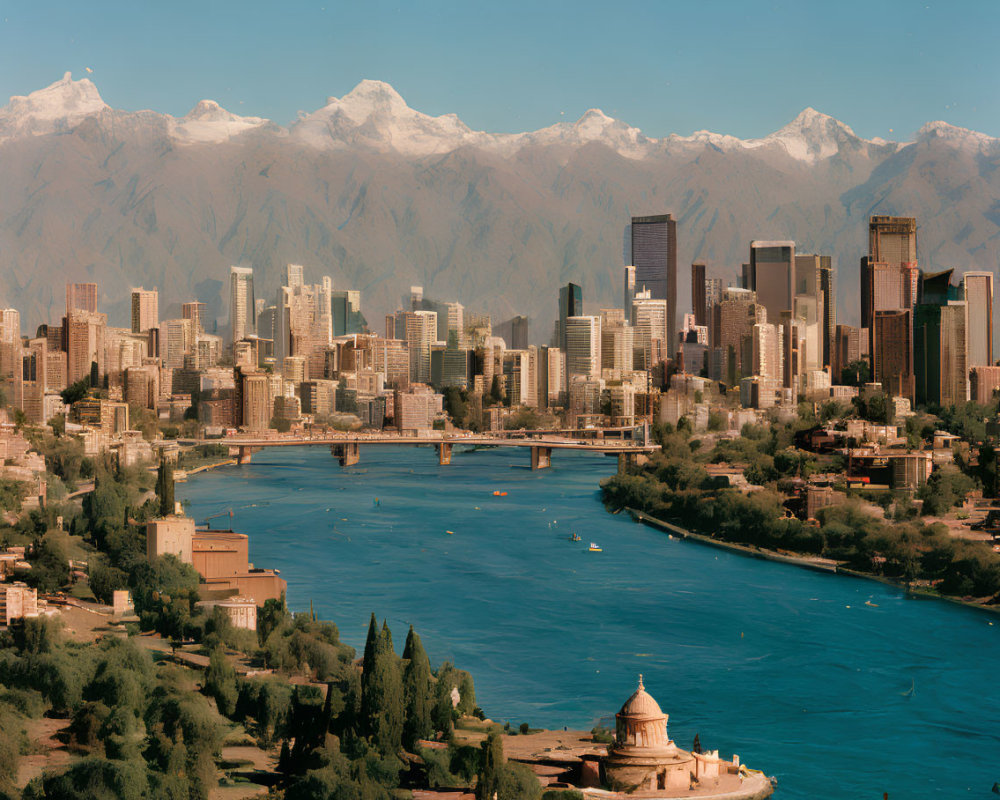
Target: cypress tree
388, 719
488, 782
165, 487
368, 679
416, 691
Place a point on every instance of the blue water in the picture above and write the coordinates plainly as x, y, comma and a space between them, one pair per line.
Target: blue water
786, 667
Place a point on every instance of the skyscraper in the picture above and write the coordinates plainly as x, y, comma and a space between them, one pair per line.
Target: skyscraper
242, 308
583, 347
81, 297
698, 300
654, 255
570, 305
629, 290
145, 310
979, 304
772, 276
889, 277
940, 342
195, 312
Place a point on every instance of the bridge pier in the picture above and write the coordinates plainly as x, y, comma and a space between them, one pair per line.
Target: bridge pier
244, 454
541, 457
348, 454
625, 462
444, 453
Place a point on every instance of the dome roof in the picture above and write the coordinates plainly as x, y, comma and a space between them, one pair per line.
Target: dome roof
641, 705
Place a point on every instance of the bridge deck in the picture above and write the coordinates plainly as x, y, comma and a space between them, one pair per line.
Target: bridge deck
613, 446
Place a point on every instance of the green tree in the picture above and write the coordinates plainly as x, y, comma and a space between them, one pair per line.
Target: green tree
49, 564
416, 691
491, 767
220, 682
75, 392
857, 373
382, 702
165, 487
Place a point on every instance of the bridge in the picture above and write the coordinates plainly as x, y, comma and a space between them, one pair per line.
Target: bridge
346, 447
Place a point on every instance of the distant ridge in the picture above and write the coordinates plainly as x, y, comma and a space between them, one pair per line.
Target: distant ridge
382, 196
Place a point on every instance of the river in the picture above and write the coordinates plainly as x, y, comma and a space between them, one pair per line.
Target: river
791, 669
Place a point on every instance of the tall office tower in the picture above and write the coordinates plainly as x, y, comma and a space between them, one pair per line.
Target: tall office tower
421, 333
454, 320
252, 399
733, 318
81, 297
416, 298
815, 305
30, 380
846, 349
793, 352
84, 343
242, 306
195, 312
889, 279
713, 294
145, 310
654, 254
767, 351
828, 285
570, 305
294, 275
556, 375
649, 319
583, 347
629, 290
176, 342
892, 357
979, 303
390, 326
10, 342
617, 342
940, 341
772, 276
699, 303
347, 316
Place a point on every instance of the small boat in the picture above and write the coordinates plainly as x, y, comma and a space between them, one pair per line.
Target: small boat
503, 494
595, 548
870, 603
450, 533
496, 493
575, 537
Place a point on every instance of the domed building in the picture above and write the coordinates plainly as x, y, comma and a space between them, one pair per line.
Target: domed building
642, 755
643, 761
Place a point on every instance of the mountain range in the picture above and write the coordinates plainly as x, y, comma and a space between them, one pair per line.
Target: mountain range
382, 197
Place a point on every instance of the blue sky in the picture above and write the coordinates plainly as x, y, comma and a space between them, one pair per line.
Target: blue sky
743, 68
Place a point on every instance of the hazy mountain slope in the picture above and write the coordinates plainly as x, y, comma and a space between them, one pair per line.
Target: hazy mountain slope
381, 197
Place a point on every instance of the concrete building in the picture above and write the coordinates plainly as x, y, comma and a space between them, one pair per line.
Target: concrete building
416, 409
241, 611
889, 283
730, 334
846, 349
81, 297
242, 305
984, 382
253, 399
570, 305
171, 535
650, 323
654, 256
772, 276
84, 331
583, 347
978, 293
892, 356
17, 600
940, 354
145, 310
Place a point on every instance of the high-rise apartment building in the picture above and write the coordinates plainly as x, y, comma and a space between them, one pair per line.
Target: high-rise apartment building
846, 349
145, 310
940, 341
649, 319
892, 356
629, 288
347, 316
242, 306
730, 334
654, 255
772, 276
421, 333
81, 297
978, 290
767, 351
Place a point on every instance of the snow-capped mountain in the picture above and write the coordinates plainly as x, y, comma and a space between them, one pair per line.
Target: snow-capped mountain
382, 196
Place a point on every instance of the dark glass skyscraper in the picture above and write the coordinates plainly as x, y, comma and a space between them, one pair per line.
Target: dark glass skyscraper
570, 305
654, 255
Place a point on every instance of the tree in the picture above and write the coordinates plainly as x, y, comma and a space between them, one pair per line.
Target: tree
49, 565
857, 373
220, 682
382, 702
488, 780
165, 487
75, 392
416, 691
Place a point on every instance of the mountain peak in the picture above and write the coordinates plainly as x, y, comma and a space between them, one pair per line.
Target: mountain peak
63, 99
210, 122
941, 130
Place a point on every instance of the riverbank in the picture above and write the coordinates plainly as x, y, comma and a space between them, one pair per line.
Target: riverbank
804, 561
